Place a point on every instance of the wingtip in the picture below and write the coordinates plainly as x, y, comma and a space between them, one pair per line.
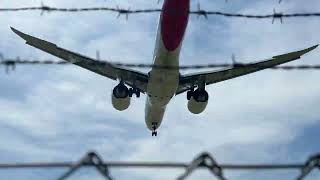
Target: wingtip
315, 46
21, 34
297, 54
14, 30
311, 48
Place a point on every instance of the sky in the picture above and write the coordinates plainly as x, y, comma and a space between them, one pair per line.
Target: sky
58, 113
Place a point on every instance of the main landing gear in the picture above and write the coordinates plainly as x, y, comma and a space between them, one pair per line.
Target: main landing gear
134, 91
190, 94
154, 127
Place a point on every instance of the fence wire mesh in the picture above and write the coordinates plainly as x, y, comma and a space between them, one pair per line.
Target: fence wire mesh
204, 160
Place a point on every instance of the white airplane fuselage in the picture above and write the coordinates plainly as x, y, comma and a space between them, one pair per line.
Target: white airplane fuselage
163, 83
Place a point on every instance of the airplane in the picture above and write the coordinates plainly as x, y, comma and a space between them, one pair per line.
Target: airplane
161, 84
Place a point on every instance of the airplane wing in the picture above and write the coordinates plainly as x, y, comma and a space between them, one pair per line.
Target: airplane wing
190, 81
130, 77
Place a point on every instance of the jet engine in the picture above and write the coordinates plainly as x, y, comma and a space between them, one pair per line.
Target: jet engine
198, 101
120, 97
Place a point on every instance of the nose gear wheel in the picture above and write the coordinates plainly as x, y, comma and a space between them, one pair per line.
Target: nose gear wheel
154, 127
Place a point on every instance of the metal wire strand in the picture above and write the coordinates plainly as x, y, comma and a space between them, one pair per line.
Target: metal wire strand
10, 64
126, 12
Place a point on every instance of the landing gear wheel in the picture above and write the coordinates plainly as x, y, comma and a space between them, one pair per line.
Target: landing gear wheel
154, 127
130, 92
154, 133
134, 91
189, 94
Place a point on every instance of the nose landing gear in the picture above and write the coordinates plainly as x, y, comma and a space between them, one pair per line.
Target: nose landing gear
154, 133
154, 127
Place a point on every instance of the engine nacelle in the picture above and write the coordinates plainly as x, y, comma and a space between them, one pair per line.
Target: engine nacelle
198, 102
120, 97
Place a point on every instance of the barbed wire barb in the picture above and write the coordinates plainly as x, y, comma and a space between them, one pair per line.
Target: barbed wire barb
277, 16
201, 12
44, 9
204, 159
8, 63
234, 61
91, 158
311, 164
123, 11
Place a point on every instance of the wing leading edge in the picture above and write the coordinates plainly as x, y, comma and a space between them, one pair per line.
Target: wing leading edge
189, 81
128, 76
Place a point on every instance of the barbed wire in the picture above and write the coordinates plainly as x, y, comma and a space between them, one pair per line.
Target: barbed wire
204, 160
199, 12
11, 64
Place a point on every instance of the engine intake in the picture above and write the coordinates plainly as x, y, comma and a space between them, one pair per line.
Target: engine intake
120, 91
120, 97
201, 95
198, 101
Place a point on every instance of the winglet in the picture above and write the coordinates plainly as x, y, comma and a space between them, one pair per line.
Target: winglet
296, 54
33, 41
19, 33
13, 29
309, 49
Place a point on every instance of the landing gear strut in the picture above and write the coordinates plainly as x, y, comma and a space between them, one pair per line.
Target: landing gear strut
154, 127
134, 91
189, 94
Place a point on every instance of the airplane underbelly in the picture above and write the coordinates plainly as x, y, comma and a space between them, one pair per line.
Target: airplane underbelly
162, 86
154, 115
